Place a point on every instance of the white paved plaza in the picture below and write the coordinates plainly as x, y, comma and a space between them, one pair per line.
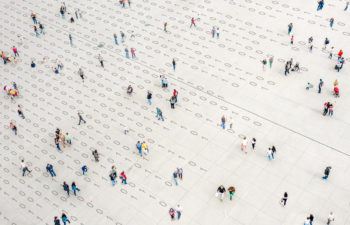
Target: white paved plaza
214, 77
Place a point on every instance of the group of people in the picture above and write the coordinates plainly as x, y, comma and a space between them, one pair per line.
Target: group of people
220, 192
113, 176
12, 90
142, 148
62, 139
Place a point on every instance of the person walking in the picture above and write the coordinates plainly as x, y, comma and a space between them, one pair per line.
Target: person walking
113, 175
326, 43
174, 64
284, 199
175, 177
115, 39
273, 151
75, 188
80, 118
213, 32
331, 215
15, 51
193, 22
231, 192
311, 219
253, 143
84, 169
81, 74
270, 61
24, 168
292, 40
127, 53
346, 5
13, 127
20, 111
70, 39
172, 213
178, 210
133, 53
66, 187
100, 59
68, 139
290, 28
165, 27
331, 52
220, 192
159, 114
50, 170
95, 155
217, 33
244, 145
33, 16
56, 221
331, 22
327, 171
269, 154
139, 148
149, 97
123, 177
179, 173
65, 219
223, 122
172, 102
320, 5
320, 85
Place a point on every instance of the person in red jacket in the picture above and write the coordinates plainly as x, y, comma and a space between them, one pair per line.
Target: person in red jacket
340, 53
122, 176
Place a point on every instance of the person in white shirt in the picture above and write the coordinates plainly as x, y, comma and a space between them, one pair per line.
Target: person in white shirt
178, 210
330, 218
24, 168
244, 145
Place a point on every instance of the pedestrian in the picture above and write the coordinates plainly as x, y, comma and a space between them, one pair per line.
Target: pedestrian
127, 53
217, 33
24, 168
113, 175
290, 28
244, 145
32, 64
264, 62
65, 219
178, 210
273, 151
15, 51
231, 192
283, 201
75, 188
213, 32
81, 74
179, 173
95, 155
84, 169
311, 219
165, 27
327, 172
346, 5
331, 52
175, 177
144, 148
115, 39
72, 19
335, 83
50, 170
80, 118
320, 5
270, 61
331, 215
292, 39
330, 109
149, 97
174, 64
13, 127
331, 22
41, 27
253, 143
340, 54
193, 22
122, 35
223, 122
320, 85
220, 192
172, 213
139, 148
269, 153
20, 111
68, 139
100, 59
159, 114
133, 53
33, 15
172, 102
36, 31
129, 90
70, 39
123, 177
326, 43
286, 69
175, 94
66, 187
56, 221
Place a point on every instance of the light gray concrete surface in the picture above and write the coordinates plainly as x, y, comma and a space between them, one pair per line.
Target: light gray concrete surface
214, 77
